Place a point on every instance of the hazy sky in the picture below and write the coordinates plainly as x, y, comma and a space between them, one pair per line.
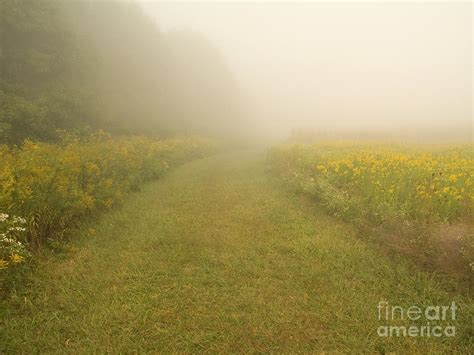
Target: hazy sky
344, 64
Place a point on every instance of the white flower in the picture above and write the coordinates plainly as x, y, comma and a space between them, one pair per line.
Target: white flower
10, 241
3, 217
18, 229
19, 220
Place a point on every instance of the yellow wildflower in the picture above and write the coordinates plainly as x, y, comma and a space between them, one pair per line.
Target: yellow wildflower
17, 258
452, 178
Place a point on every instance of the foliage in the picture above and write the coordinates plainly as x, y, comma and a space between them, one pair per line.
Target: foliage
75, 64
40, 70
219, 259
55, 185
12, 251
408, 188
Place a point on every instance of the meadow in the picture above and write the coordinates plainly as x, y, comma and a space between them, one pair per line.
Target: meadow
216, 257
161, 192
46, 189
418, 200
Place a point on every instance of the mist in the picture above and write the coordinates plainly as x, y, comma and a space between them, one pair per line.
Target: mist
251, 71
380, 70
234, 177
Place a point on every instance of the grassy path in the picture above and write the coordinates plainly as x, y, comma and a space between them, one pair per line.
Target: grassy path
216, 257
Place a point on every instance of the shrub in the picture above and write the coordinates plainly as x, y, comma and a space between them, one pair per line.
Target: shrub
55, 185
12, 251
404, 189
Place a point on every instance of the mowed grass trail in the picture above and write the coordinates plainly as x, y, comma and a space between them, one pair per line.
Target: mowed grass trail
217, 257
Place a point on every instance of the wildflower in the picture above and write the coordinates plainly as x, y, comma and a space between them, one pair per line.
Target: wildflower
17, 229
3, 217
452, 178
17, 258
19, 220
321, 168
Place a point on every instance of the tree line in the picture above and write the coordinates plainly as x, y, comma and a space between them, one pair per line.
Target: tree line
85, 65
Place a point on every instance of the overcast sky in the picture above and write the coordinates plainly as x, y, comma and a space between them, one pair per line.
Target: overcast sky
341, 64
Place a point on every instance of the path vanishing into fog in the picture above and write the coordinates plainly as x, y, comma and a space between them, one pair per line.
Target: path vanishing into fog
217, 257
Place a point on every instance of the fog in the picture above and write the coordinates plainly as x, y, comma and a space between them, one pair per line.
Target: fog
265, 70
391, 69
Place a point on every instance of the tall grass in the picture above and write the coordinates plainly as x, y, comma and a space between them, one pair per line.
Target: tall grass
53, 186
422, 197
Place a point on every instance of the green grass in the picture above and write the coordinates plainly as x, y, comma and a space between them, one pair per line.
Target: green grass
217, 257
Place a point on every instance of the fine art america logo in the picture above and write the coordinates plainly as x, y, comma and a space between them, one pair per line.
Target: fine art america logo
429, 321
